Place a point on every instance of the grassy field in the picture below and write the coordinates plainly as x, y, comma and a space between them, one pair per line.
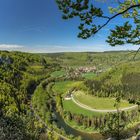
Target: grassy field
36, 67
58, 73
89, 75
69, 105
98, 103
64, 86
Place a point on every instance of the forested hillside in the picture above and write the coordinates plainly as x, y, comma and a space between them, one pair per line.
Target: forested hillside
99, 59
20, 73
123, 80
33, 87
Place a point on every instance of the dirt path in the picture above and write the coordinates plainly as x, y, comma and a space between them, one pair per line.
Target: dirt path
99, 110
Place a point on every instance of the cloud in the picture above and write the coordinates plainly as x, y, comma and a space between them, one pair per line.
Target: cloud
10, 46
59, 48
97, 47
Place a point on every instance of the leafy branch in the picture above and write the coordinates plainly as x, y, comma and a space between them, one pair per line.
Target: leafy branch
88, 13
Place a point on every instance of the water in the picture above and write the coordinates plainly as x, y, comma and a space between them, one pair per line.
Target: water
71, 131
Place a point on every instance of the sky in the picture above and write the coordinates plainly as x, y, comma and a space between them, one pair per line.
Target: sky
36, 26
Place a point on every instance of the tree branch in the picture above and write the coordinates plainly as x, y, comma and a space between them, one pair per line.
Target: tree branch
136, 53
120, 13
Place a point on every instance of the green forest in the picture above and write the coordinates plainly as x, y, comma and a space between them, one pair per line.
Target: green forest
38, 94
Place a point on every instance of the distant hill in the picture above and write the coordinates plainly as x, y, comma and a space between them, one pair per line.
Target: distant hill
122, 79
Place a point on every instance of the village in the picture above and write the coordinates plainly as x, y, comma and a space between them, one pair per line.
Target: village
77, 72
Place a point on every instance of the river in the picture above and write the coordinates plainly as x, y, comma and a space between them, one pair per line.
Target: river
71, 131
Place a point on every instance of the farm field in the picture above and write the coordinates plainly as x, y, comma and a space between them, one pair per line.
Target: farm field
64, 86
59, 73
89, 75
69, 105
98, 102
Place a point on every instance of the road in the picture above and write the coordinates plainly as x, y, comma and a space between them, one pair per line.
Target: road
99, 110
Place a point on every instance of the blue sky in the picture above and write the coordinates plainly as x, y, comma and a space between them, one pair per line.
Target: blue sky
37, 26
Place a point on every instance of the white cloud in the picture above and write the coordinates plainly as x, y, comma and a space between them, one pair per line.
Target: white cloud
10, 46
99, 47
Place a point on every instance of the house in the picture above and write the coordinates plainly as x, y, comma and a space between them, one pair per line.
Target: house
68, 96
86, 69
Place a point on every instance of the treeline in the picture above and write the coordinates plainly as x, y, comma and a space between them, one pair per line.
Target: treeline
103, 123
102, 60
43, 102
121, 81
46, 105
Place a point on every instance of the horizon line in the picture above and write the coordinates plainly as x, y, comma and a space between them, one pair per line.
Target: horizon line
69, 51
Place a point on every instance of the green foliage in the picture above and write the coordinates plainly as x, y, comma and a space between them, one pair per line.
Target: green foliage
124, 34
88, 14
115, 126
83, 9
11, 129
122, 80
19, 127
26, 76
102, 61
20, 73
41, 103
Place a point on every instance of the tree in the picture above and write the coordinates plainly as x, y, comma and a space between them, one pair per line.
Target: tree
115, 125
89, 14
